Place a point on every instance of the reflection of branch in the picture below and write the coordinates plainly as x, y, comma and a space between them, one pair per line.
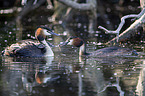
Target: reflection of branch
80, 84
114, 85
127, 33
105, 88
81, 6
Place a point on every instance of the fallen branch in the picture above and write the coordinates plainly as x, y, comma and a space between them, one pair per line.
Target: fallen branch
129, 31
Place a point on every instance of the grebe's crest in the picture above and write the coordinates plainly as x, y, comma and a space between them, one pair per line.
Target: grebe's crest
76, 41
42, 32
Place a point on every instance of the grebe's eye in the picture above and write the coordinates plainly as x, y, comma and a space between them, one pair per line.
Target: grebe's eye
48, 31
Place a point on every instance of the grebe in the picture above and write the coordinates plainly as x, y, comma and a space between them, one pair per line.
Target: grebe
30, 48
108, 51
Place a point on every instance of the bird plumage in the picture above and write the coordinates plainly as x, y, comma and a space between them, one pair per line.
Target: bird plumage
108, 51
29, 48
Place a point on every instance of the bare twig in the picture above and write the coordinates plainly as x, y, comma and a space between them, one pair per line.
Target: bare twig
137, 22
130, 31
107, 31
11, 10
119, 27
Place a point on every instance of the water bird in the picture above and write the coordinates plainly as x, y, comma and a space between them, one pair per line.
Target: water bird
108, 51
31, 48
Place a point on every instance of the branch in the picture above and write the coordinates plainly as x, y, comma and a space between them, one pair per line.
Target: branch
50, 5
29, 7
107, 31
129, 31
133, 26
142, 3
82, 6
119, 27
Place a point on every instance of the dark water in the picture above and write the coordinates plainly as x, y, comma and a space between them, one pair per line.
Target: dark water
67, 74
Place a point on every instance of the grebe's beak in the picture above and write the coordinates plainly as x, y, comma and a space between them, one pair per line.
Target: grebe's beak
48, 31
75, 41
54, 34
70, 40
66, 42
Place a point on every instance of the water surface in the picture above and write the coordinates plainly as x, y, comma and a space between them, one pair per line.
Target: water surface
67, 74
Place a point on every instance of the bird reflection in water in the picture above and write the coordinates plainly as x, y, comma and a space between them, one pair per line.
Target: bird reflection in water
75, 76
40, 73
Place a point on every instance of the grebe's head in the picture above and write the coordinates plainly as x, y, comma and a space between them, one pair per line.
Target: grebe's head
42, 32
75, 41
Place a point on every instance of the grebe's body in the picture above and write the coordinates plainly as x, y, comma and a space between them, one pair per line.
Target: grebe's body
104, 52
29, 48
114, 51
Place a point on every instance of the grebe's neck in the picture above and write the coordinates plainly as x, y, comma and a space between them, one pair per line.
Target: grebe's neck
49, 51
82, 50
